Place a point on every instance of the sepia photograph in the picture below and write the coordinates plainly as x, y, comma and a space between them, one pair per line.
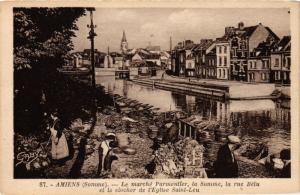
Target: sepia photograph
151, 93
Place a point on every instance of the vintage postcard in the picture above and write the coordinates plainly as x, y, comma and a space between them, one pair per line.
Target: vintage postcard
158, 97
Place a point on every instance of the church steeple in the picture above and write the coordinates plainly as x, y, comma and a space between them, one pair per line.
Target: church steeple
124, 44
124, 37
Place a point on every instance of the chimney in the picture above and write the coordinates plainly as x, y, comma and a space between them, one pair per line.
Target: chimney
228, 30
241, 25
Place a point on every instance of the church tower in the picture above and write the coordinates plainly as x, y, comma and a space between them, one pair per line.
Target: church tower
124, 44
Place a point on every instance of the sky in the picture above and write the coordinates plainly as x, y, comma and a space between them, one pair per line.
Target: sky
145, 26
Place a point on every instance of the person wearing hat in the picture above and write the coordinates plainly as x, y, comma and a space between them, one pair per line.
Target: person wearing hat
226, 165
285, 156
104, 151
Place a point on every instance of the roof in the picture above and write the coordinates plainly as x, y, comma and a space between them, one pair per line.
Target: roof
272, 33
264, 49
211, 48
203, 46
189, 46
284, 44
245, 32
137, 57
249, 31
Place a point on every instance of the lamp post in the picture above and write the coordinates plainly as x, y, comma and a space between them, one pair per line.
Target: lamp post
91, 36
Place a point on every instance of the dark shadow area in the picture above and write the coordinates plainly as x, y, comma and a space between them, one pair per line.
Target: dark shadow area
75, 170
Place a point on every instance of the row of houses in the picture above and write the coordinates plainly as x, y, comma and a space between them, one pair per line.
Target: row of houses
134, 57
251, 54
151, 56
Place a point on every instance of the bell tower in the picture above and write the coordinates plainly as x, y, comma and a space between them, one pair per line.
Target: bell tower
124, 44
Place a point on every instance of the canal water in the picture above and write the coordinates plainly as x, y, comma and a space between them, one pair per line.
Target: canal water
265, 121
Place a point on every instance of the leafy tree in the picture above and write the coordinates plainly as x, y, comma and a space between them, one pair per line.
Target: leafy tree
42, 42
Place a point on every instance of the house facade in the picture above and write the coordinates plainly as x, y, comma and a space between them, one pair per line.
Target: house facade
223, 60
189, 64
210, 66
259, 63
259, 69
202, 68
183, 59
281, 62
243, 40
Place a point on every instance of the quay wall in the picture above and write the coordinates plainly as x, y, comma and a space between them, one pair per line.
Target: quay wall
245, 90
237, 91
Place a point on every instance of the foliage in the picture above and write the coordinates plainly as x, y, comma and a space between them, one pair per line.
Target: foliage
43, 33
42, 42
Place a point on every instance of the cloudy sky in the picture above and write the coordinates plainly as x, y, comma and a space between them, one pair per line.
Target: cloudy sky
144, 26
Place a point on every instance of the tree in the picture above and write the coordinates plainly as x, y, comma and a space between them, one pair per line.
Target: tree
42, 42
41, 33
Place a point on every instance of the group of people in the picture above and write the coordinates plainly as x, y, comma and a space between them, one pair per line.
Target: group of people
60, 147
226, 165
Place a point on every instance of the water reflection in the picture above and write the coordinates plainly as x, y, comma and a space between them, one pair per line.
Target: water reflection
255, 120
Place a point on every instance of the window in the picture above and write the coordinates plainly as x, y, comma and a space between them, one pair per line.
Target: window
243, 44
267, 64
224, 73
220, 61
250, 64
263, 76
225, 60
219, 73
289, 62
220, 49
276, 62
225, 49
254, 65
251, 76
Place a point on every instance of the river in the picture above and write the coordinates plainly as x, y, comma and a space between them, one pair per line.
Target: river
258, 120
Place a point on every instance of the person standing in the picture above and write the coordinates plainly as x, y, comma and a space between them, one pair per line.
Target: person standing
105, 152
59, 147
285, 155
226, 165
162, 76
